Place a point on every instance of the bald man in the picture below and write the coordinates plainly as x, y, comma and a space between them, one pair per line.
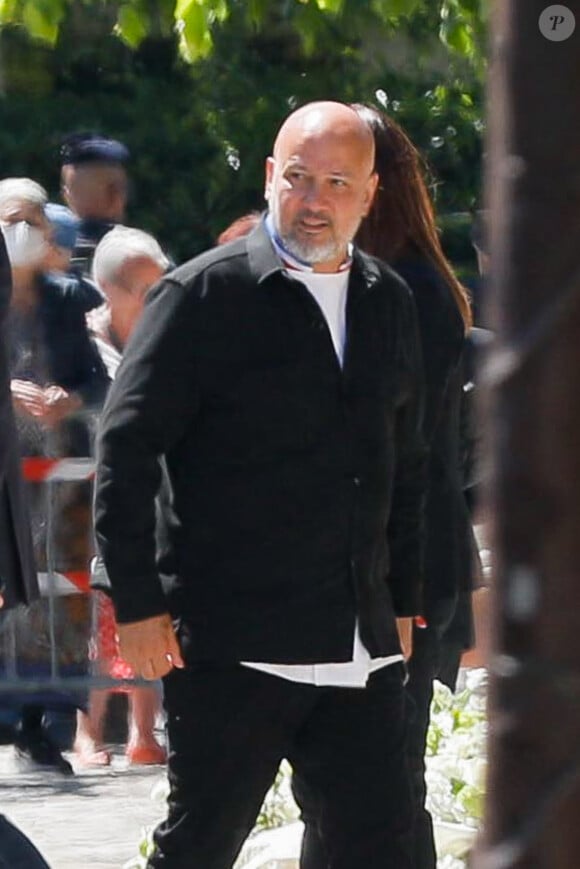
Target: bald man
279, 379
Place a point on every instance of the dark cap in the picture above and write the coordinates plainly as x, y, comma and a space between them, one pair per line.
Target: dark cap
92, 148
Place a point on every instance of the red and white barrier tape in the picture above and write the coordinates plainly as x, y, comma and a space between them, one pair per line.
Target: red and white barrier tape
38, 469
63, 583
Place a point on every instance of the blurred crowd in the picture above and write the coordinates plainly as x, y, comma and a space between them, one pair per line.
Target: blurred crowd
79, 280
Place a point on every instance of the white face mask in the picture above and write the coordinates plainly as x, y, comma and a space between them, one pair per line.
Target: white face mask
25, 243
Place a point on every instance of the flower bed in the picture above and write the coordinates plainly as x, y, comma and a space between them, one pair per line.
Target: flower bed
456, 766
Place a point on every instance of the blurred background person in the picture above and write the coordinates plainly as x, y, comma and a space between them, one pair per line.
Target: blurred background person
127, 263
18, 580
61, 242
240, 227
94, 185
400, 229
63, 231
55, 374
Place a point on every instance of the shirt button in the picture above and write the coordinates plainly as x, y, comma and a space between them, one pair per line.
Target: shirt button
356, 481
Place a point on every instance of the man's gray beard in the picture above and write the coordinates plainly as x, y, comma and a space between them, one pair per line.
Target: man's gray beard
311, 253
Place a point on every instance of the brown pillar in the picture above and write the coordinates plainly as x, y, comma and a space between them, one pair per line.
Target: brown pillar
533, 806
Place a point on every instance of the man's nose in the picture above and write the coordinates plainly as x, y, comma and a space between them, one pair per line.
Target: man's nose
314, 195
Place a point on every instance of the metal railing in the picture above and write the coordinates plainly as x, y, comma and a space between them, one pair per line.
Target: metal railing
20, 671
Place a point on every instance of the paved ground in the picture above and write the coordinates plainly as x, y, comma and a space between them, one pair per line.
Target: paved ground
90, 821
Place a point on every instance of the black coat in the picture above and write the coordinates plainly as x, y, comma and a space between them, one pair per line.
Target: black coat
72, 360
286, 471
450, 543
90, 233
18, 582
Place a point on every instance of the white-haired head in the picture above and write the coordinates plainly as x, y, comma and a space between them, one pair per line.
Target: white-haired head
22, 190
120, 246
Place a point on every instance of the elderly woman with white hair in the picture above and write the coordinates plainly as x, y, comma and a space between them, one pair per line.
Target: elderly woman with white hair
55, 373
127, 263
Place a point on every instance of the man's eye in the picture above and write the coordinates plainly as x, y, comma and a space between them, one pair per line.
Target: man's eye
338, 182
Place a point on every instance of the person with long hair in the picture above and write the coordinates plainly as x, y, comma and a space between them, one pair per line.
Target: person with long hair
401, 230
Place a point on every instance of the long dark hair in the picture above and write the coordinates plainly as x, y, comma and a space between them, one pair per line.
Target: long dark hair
402, 219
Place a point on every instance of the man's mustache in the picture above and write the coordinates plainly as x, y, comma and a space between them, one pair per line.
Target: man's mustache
314, 215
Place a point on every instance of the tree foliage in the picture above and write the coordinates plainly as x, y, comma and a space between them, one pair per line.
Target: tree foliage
199, 132
460, 22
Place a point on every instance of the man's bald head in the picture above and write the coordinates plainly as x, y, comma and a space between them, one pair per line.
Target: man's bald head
320, 182
327, 118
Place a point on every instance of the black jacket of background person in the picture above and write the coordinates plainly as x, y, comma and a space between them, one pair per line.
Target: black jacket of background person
90, 233
449, 539
71, 358
18, 584
285, 470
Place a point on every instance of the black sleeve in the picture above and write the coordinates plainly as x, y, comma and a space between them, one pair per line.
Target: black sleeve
90, 374
152, 401
441, 332
72, 357
406, 524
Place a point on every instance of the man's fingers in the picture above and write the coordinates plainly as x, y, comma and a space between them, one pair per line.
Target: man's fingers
150, 646
174, 652
148, 670
155, 669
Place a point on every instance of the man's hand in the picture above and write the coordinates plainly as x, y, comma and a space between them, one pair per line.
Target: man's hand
59, 404
28, 398
405, 629
49, 406
150, 646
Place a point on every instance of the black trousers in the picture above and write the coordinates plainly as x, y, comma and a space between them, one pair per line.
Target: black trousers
423, 667
229, 727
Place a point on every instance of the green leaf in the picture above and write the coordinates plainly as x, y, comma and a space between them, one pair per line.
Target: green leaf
195, 40
182, 8
132, 25
332, 6
8, 10
457, 36
220, 10
42, 20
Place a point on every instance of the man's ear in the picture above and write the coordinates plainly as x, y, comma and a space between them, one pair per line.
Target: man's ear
270, 166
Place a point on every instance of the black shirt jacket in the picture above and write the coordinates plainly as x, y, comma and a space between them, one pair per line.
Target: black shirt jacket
297, 487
